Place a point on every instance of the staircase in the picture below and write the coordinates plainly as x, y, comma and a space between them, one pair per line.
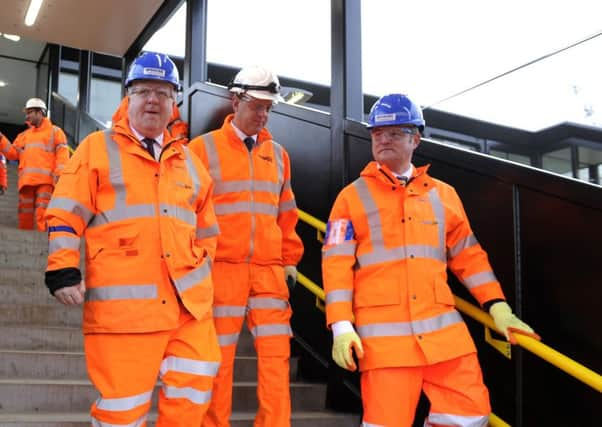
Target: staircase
43, 379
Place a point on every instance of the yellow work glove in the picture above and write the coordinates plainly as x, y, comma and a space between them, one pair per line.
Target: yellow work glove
342, 348
290, 276
508, 323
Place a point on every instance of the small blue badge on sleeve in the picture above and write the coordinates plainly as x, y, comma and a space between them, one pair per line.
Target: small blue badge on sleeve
338, 231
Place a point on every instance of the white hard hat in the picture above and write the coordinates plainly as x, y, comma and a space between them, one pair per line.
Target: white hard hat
35, 103
257, 82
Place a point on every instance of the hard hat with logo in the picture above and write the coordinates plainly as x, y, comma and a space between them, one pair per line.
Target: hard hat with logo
35, 103
153, 66
257, 82
395, 110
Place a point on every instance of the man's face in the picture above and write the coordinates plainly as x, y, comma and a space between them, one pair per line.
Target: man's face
150, 106
34, 116
251, 114
394, 145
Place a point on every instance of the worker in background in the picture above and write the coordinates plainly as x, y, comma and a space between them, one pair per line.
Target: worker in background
3, 173
390, 238
176, 127
142, 202
42, 153
258, 248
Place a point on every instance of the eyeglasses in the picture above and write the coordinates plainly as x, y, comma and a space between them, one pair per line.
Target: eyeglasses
145, 93
255, 106
392, 133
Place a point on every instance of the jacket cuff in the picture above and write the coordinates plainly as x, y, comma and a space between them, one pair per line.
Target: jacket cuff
487, 305
62, 278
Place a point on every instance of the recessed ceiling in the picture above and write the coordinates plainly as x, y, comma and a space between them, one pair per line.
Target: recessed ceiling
107, 26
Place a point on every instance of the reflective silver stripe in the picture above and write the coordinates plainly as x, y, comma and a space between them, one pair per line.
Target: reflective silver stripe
188, 366
26, 171
71, 206
261, 303
51, 140
178, 212
394, 329
239, 186
212, 230
41, 204
229, 310
25, 210
26, 200
138, 423
479, 279
379, 252
439, 212
107, 293
46, 195
194, 395
343, 249
212, 157
35, 144
279, 161
61, 145
400, 253
65, 242
342, 295
271, 330
194, 277
456, 420
465, 243
365, 424
122, 212
227, 339
286, 186
194, 176
124, 403
245, 207
287, 206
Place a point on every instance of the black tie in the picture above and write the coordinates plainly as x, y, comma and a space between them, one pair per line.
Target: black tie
249, 142
403, 180
150, 146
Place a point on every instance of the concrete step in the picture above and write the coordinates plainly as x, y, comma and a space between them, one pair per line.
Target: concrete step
20, 286
16, 364
55, 314
31, 337
23, 256
45, 395
238, 419
12, 234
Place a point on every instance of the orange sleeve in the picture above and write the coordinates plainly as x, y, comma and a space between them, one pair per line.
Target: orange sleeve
61, 151
9, 150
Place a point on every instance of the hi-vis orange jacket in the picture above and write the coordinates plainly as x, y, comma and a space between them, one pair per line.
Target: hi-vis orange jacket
384, 260
3, 173
42, 153
253, 199
177, 127
150, 232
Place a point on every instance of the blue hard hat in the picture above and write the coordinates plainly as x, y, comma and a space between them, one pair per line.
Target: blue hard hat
394, 110
153, 66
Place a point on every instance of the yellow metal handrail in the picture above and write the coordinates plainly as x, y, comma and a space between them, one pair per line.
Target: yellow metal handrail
562, 362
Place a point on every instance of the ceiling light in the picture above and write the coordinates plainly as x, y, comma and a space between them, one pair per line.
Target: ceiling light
2, 83
32, 12
12, 37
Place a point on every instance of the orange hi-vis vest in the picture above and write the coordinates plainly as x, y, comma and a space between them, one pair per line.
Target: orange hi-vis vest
149, 227
253, 199
384, 261
42, 153
3, 173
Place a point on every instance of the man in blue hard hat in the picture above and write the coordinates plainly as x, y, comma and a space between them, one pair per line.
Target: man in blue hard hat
143, 203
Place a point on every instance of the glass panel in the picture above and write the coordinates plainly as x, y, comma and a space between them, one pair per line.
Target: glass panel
68, 89
290, 37
590, 160
171, 38
558, 161
105, 96
519, 158
43, 77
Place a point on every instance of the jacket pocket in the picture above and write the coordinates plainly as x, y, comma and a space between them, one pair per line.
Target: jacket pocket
443, 294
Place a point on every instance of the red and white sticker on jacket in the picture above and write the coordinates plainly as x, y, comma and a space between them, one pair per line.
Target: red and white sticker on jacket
338, 231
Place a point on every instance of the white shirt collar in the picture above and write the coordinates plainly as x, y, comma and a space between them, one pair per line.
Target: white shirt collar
407, 174
242, 135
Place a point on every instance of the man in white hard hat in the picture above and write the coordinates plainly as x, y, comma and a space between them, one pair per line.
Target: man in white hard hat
257, 249
42, 153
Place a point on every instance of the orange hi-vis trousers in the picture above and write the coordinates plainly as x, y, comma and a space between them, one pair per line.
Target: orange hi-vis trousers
260, 293
34, 198
455, 389
124, 368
